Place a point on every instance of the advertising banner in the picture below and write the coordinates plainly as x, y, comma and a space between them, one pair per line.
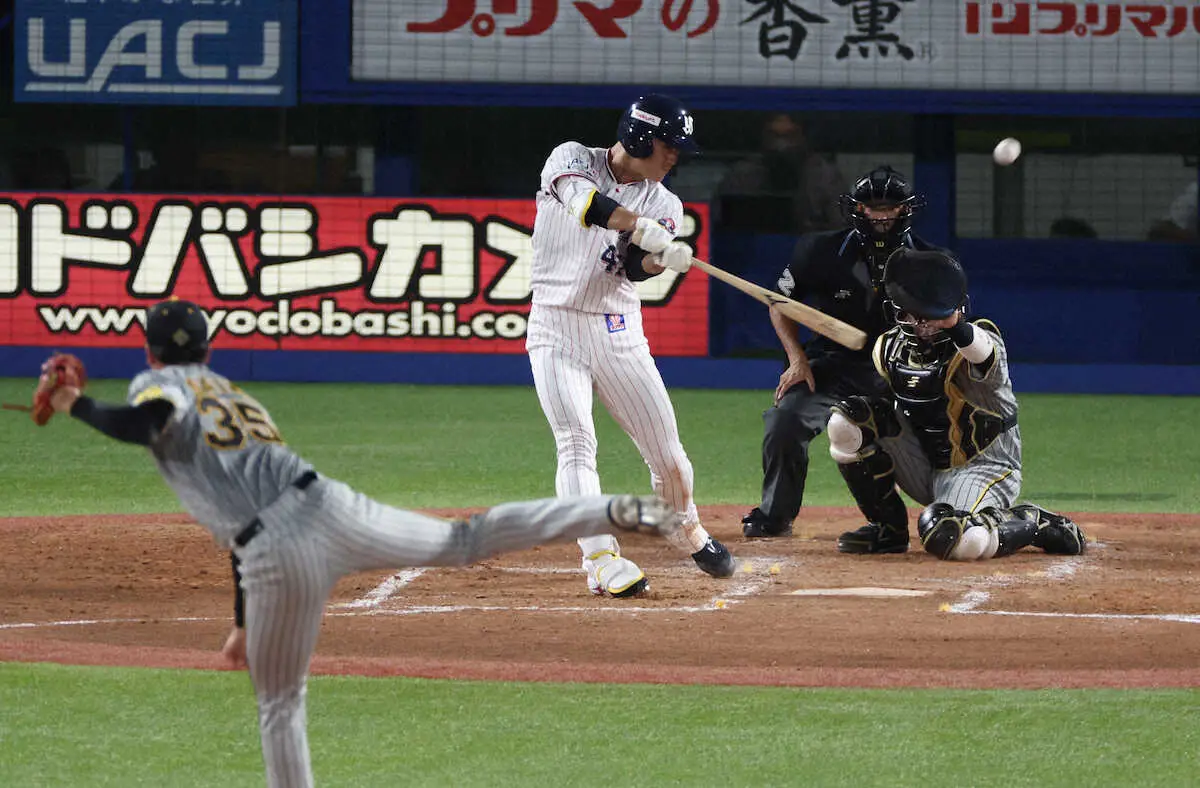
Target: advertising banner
333, 273
1102, 47
156, 51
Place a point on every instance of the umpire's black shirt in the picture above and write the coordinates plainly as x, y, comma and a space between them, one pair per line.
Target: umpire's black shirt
830, 272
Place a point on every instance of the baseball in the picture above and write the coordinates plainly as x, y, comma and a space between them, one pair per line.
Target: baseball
1006, 151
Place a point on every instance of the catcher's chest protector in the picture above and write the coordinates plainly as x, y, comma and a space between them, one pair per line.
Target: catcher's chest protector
918, 382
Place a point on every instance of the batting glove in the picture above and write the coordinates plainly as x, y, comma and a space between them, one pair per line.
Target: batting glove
677, 256
651, 236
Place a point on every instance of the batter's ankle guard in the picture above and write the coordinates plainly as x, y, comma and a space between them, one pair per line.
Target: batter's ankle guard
872, 482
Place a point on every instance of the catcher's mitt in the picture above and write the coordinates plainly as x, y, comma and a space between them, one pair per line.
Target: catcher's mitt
59, 371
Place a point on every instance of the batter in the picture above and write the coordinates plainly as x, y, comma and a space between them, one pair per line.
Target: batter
604, 221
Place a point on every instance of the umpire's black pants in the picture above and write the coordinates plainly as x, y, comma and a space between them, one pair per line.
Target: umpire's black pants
799, 416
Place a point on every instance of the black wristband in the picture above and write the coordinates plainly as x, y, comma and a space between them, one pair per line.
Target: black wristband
961, 333
600, 209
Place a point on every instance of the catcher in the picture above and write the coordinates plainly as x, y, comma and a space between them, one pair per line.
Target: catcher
949, 437
293, 533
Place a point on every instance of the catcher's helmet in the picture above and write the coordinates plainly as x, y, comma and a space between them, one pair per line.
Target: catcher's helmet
659, 116
928, 285
177, 332
882, 187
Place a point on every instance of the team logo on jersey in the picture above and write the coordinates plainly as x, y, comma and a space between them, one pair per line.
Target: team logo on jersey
669, 223
615, 323
842, 295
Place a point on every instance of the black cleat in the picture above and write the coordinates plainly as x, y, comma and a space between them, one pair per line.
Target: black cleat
757, 525
874, 538
714, 559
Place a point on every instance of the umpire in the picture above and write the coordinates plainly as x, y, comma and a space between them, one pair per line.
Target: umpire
840, 273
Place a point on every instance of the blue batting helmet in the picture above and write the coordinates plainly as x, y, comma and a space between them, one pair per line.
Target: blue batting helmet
656, 115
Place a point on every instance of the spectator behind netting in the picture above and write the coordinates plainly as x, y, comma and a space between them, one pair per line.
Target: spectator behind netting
786, 187
1071, 227
1180, 222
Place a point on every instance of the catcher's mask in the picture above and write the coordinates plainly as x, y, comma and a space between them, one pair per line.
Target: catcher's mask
177, 332
921, 286
880, 208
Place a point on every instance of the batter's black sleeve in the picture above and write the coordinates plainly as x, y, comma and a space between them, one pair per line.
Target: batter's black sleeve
139, 424
634, 272
239, 596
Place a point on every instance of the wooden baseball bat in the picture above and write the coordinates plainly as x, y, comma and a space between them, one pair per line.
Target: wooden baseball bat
826, 325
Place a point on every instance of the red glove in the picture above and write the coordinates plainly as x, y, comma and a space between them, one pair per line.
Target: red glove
59, 371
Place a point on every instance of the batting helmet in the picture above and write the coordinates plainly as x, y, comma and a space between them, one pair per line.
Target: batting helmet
928, 285
659, 116
177, 332
882, 187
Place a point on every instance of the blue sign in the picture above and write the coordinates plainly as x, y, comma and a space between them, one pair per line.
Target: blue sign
156, 51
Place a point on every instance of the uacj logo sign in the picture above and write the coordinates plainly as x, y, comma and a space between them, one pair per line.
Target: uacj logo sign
157, 52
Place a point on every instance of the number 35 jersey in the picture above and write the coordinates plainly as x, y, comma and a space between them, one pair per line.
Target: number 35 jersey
220, 452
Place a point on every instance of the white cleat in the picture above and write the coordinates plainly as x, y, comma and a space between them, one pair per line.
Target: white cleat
647, 514
609, 573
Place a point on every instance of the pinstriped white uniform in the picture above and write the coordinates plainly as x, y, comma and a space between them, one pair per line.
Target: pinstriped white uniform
229, 469
585, 335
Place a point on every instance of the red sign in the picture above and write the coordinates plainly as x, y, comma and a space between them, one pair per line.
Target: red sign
1149, 20
298, 273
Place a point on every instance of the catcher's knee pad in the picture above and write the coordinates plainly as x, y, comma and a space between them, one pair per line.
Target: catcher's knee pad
845, 439
873, 416
941, 529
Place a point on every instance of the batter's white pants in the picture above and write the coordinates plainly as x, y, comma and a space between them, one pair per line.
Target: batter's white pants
574, 353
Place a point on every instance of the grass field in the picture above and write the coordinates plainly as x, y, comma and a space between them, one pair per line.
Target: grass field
431, 447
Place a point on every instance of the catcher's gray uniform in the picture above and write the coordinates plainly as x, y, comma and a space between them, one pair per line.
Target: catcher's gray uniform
297, 533
972, 457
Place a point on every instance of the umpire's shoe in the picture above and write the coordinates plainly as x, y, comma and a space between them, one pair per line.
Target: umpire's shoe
874, 538
647, 514
757, 525
714, 559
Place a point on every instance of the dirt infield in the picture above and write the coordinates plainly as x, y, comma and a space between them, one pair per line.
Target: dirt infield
155, 591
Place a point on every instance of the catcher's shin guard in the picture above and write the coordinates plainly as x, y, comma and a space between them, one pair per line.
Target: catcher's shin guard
872, 482
1012, 532
1056, 534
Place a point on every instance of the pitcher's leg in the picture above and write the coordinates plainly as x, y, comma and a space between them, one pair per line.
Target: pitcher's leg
285, 599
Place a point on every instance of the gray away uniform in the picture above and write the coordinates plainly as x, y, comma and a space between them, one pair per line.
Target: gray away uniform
225, 459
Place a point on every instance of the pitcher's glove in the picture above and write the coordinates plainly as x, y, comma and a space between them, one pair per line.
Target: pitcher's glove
59, 371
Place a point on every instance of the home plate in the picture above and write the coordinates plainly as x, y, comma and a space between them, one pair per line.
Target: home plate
868, 591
